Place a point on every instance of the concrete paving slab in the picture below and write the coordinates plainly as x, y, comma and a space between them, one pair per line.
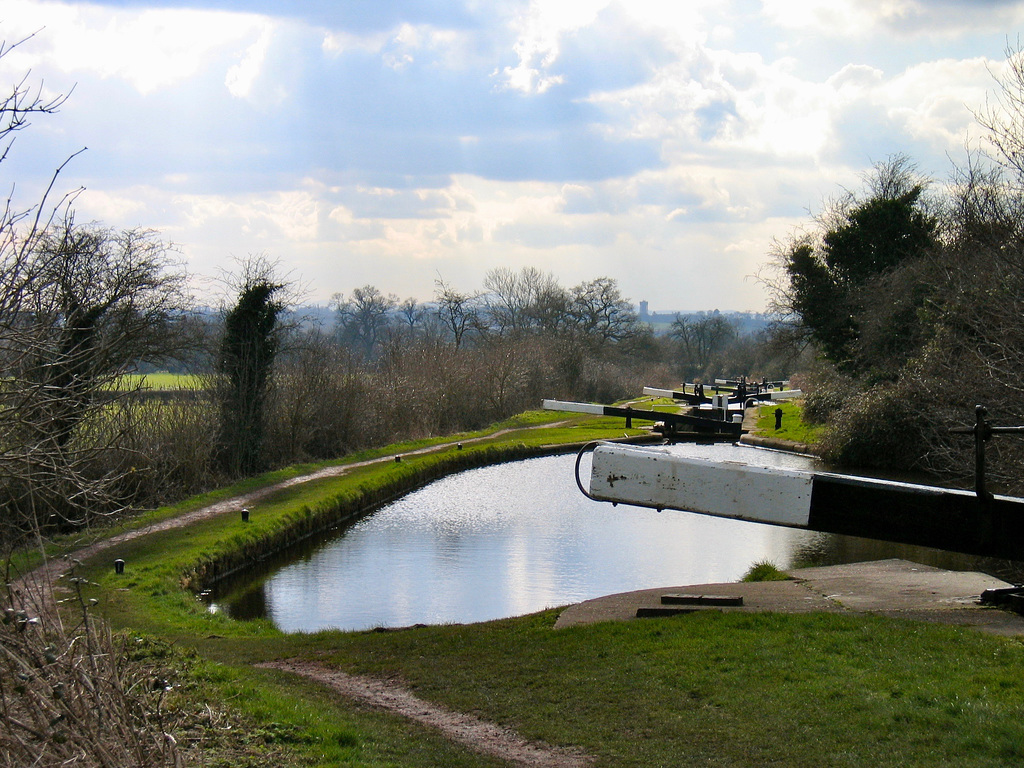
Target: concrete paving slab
897, 585
896, 588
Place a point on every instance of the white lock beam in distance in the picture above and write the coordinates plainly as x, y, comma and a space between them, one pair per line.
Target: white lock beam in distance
785, 394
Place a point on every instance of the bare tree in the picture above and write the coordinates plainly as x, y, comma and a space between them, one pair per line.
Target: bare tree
77, 306
99, 303
364, 318
456, 311
1003, 115
412, 313
315, 403
699, 339
513, 298
599, 312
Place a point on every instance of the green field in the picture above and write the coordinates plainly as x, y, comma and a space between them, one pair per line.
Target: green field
162, 381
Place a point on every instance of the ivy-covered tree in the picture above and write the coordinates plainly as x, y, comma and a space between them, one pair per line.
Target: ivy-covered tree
247, 351
830, 277
820, 302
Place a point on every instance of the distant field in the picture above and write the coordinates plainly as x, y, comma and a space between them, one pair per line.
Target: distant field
162, 381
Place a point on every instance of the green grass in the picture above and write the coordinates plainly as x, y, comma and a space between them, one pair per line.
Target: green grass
764, 570
794, 428
721, 689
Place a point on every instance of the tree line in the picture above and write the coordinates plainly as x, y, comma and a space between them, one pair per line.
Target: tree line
83, 305
89, 304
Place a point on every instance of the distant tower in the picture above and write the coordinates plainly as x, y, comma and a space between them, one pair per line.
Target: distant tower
643, 310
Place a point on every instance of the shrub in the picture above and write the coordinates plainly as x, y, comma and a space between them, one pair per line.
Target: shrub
72, 694
883, 428
826, 393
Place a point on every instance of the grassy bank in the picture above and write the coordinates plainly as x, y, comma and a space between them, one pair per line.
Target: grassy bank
794, 428
701, 689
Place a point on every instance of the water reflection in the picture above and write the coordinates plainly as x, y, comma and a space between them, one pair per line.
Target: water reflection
519, 537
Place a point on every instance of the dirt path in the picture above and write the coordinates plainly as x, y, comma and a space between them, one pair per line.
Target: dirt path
479, 735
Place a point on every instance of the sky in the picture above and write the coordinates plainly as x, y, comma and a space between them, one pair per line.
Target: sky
395, 143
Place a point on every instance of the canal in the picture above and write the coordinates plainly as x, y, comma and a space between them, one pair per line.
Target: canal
519, 537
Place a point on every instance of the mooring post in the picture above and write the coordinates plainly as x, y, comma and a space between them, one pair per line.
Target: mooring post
245, 515
119, 566
778, 419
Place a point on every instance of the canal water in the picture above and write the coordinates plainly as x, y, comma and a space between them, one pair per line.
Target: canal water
520, 537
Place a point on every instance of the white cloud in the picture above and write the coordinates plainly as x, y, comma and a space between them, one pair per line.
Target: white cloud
242, 76
643, 139
937, 99
838, 17
289, 215
151, 49
338, 42
107, 206
860, 18
714, 100
539, 31
400, 47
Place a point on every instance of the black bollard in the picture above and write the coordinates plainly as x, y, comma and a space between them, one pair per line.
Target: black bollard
119, 566
778, 418
245, 515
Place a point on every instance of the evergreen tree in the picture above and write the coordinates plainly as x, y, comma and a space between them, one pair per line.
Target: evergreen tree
832, 280
246, 359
